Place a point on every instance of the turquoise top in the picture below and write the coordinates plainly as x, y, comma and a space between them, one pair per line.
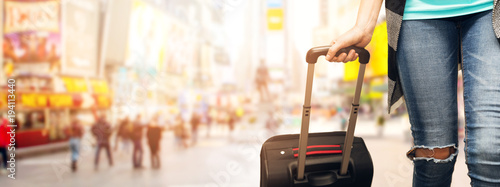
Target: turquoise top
432, 9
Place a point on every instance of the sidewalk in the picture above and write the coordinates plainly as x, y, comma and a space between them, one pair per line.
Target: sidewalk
32, 151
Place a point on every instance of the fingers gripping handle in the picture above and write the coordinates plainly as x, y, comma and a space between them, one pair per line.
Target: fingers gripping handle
315, 52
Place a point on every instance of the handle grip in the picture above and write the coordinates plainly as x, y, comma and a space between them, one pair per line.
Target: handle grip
315, 52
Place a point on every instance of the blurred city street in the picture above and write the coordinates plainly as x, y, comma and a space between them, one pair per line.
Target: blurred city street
221, 160
183, 93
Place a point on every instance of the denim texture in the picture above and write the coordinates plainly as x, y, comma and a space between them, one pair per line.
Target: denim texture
74, 145
428, 55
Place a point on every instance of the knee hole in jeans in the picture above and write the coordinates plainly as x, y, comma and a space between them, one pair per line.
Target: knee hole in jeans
438, 154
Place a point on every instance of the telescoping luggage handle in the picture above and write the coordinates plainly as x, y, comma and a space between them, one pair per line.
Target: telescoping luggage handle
311, 58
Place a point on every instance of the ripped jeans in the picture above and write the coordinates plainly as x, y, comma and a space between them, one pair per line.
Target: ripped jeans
428, 54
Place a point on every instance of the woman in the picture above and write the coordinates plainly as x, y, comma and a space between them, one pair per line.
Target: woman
427, 40
75, 133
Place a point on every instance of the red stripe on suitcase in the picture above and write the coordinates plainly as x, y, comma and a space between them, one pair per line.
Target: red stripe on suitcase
320, 152
317, 146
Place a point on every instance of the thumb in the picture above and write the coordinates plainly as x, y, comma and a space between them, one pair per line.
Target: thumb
336, 46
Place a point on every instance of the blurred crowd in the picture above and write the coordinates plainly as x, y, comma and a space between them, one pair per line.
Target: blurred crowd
129, 133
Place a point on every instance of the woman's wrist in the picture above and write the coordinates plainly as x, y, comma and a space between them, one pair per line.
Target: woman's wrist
363, 30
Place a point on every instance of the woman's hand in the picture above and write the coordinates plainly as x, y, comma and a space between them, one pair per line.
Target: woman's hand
360, 35
354, 37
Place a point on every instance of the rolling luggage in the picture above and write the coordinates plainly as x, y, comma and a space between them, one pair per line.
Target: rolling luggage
333, 158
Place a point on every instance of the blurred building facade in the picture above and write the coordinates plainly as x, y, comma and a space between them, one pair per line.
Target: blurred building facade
50, 48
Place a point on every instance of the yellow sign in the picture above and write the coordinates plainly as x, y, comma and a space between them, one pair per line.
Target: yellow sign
275, 19
61, 100
3, 100
73, 85
379, 54
374, 94
103, 100
8, 68
51, 100
351, 70
34, 100
99, 86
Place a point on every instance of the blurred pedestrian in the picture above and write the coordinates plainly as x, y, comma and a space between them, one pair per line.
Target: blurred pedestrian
380, 125
137, 141
4, 141
123, 134
210, 115
220, 118
75, 134
154, 134
343, 117
261, 80
195, 123
102, 131
231, 121
180, 132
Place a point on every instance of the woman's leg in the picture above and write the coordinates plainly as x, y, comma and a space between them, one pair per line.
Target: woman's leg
427, 57
481, 71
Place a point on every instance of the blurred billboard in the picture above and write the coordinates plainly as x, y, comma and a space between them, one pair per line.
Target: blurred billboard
32, 36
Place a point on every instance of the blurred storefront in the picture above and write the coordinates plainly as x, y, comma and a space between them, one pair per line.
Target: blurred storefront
50, 48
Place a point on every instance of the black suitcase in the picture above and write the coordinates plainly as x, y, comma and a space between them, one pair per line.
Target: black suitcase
333, 158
